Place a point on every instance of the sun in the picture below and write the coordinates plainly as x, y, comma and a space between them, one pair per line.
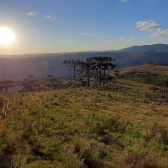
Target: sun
6, 36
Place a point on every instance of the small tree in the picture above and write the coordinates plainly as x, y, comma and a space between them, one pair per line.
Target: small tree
6, 84
31, 82
53, 82
72, 63
26, 84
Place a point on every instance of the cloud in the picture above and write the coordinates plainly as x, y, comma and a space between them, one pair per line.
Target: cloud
93, 34
109, 35
126, 38
84, 33
71, 39
47, 16
32, 13
54, 18
148, 25
159, 33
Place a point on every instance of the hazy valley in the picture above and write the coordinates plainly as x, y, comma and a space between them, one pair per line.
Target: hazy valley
41, 65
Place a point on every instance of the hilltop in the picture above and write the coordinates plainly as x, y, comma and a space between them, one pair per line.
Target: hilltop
154, 69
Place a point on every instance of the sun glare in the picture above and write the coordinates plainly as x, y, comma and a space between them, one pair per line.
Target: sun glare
6, 36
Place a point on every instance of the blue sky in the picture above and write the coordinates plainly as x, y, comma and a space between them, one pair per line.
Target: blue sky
48, 26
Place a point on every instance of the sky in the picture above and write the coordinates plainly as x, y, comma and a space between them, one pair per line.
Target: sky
51, 26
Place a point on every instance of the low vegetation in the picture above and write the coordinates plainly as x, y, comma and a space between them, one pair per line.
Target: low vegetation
111, 127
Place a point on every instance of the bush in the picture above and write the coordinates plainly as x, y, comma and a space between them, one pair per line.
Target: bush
166, 99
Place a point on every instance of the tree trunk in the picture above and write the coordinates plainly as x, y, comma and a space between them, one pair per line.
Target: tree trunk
104, 76
74, 75
74, 72
88, 79
100, 74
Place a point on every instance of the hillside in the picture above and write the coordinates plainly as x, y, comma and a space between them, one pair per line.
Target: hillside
86, 128
154, 69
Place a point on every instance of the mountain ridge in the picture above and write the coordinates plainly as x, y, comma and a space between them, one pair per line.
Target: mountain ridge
136, 48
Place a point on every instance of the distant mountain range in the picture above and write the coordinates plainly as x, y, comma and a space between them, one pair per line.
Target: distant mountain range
41, 65
154, 47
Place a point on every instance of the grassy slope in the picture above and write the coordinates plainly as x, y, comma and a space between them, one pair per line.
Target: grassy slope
85, 128
156, 69
135, 85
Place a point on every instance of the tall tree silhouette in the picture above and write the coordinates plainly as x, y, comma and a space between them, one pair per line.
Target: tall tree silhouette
72, 63
88, 69
6, 84
103, 64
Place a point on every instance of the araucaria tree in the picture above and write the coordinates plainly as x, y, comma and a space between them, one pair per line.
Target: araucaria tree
6, 84
95, 67
101, 65
88, 69
73, 64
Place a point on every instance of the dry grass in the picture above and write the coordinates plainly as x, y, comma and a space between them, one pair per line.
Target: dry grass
85, 127
135, 85
154, 69
3, 128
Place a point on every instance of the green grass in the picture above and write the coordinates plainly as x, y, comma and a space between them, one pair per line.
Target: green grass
84, 127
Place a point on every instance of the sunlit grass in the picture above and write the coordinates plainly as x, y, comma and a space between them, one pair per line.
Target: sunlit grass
85, 127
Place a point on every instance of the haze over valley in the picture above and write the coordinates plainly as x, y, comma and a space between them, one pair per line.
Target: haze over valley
19, 66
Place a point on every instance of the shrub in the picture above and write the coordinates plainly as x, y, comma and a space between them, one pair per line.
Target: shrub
166, 99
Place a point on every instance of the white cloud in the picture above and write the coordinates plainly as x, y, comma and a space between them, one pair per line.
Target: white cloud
54, 18
70, 39
159, 33
32, 13
109, 35
148, 25
47, 16
93, 34
84, 33
127, 38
